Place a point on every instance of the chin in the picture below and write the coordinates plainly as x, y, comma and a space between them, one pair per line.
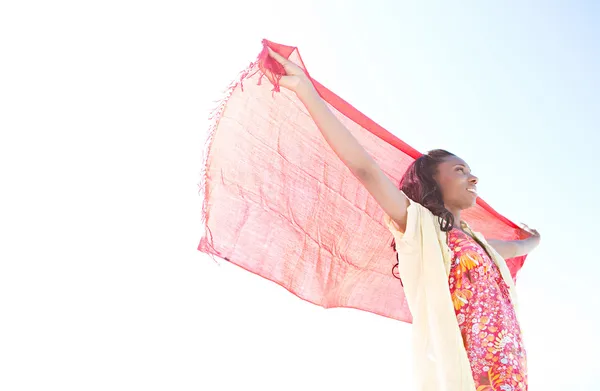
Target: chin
470, 203
473, 202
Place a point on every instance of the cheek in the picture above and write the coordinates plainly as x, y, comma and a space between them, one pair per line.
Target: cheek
452, 185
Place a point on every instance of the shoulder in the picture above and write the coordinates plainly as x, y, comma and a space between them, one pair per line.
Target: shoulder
419, 222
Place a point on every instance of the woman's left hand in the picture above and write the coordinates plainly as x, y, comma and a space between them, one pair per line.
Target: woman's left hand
532, 231
534, 234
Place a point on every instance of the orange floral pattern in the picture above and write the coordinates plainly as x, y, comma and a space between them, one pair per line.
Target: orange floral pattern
486, 317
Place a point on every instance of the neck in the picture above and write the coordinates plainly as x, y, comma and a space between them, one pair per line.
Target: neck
456, 213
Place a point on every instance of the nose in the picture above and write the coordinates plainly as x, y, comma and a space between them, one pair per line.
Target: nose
473, 179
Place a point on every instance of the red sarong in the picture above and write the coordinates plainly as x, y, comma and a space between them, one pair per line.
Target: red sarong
279, 203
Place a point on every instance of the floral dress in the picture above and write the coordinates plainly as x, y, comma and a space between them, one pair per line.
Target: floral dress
486, 317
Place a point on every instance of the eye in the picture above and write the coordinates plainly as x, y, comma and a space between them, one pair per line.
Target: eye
460, 169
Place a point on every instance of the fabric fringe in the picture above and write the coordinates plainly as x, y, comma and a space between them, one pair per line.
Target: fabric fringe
263, 63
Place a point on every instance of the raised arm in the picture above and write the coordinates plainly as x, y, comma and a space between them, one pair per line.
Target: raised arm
516, 248
346, 147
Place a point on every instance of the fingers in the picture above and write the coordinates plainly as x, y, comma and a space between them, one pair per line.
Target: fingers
532, 231
278, 57
524, 227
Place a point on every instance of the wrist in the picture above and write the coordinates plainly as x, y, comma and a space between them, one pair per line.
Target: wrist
532, 242
306, 90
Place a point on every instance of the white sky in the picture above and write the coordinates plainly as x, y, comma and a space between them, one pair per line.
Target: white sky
103, 115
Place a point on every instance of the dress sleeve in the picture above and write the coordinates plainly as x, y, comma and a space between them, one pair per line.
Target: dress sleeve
421, 263
419, 220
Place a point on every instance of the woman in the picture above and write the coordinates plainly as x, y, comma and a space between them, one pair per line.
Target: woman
466, 335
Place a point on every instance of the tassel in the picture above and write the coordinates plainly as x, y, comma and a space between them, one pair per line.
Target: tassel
267, 64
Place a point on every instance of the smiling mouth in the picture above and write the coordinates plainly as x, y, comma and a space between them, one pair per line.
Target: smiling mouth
472, 191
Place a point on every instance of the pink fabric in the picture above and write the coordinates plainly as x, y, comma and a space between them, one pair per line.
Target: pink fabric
280, 204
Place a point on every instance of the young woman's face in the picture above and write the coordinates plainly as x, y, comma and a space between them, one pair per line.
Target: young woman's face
458, 184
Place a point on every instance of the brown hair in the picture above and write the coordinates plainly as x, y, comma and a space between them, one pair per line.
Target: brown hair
419, 184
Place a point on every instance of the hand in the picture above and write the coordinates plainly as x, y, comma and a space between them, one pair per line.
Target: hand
534, 233
295, 79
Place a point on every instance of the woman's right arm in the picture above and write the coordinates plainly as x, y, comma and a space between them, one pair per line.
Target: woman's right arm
393, 202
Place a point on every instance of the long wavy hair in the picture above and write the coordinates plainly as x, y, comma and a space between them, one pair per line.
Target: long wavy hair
419, 184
